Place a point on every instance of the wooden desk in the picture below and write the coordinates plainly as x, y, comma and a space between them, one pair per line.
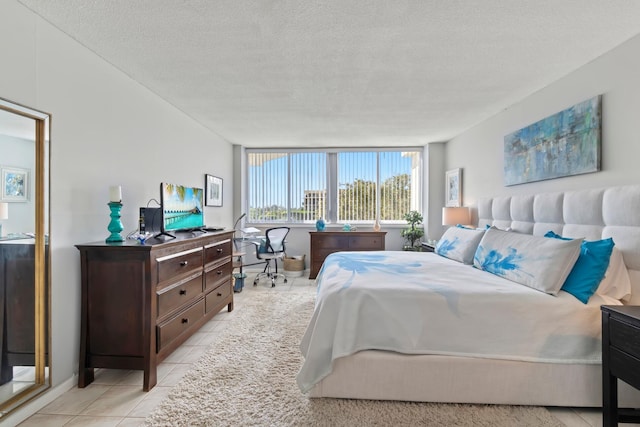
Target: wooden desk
620, 359
324, 243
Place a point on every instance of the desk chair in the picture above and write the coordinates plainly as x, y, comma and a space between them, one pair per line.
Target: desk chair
270, 249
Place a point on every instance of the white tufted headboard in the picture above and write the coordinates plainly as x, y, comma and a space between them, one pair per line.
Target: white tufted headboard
592, 214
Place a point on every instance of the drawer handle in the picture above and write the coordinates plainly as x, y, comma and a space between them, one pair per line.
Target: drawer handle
183, 263
219, 250
218, 272
183, 292
185, 320
219, 294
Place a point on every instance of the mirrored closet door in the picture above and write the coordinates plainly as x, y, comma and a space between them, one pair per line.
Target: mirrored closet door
24, 254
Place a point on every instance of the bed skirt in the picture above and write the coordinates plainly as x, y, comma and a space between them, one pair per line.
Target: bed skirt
382, 375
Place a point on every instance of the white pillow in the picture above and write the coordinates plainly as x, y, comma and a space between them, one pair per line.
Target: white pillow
616, 283
537, 262
459, 244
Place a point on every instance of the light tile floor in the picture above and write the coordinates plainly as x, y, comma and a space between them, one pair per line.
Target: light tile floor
115, 398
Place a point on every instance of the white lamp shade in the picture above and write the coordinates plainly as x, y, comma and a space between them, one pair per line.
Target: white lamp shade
454, 216
4, 210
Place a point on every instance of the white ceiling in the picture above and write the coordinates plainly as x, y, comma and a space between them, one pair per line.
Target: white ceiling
344, 72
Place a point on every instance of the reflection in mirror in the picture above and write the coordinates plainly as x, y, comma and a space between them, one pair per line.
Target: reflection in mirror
24, 254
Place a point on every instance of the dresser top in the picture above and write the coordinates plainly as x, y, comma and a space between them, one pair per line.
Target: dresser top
181, 237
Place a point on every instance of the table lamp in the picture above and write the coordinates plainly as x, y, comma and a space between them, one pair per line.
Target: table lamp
456, 215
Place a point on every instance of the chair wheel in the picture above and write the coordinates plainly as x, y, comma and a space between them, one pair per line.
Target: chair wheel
285, 280
255, 282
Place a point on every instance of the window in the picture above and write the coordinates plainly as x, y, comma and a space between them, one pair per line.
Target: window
343, 186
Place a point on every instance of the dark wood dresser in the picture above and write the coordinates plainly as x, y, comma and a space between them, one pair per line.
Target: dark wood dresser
620, 360
140, 302
17, 305
324, 243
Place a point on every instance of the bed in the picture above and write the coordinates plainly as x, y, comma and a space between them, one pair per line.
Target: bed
425, 327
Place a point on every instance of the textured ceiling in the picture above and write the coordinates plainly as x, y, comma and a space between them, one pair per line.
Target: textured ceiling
344, 72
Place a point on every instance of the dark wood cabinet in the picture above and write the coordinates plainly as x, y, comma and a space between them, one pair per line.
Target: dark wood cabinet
140, 302
620, 360
324, 243
17, 306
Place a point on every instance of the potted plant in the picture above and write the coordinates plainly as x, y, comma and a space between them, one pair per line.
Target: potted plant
414, 232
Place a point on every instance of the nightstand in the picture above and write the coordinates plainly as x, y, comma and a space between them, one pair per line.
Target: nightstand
620, 360
428, 247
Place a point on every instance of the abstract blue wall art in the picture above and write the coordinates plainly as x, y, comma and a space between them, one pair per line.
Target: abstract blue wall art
564, 144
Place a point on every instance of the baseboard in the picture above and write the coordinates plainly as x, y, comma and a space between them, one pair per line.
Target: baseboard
33, 406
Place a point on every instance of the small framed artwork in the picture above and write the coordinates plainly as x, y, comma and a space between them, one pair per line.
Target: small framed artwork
15, 184
213, 190
453, 192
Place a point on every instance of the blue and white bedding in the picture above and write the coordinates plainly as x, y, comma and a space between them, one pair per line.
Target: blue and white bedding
422, 303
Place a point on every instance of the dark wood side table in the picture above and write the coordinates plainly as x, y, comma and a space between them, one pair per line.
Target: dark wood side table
620, 360
428, 247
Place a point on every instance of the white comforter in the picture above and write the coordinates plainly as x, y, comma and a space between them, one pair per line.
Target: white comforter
421, 303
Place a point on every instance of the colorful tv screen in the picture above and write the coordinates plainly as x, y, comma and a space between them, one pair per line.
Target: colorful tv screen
181, 207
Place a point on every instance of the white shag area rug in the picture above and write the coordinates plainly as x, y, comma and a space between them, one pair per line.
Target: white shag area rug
247, 378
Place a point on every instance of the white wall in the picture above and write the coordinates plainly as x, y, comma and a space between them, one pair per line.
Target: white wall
106, 130
479, 151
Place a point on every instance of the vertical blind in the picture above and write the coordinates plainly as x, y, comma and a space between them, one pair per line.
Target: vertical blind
286, 187
340, 186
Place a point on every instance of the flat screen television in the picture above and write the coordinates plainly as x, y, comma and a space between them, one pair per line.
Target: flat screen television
181, 208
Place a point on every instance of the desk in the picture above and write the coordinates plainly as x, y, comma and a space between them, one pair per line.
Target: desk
239, 243
324, 243
244, 241
620, 360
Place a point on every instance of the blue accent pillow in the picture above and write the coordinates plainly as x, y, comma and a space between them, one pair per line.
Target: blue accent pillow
589, 269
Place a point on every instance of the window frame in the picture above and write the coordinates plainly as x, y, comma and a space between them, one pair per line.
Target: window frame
332, 182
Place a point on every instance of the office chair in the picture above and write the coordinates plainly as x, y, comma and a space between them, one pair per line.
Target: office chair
270, 249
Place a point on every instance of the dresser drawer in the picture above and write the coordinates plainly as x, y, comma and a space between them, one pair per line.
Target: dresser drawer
182, 262
624, 337
171, 329
366, 243
319, 255
218, 297
217, 251
331, 241
217, 274
173, 297
625, 367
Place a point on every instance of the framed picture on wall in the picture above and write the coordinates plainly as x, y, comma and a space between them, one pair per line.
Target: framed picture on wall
15, 184
213, 190
453, 193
